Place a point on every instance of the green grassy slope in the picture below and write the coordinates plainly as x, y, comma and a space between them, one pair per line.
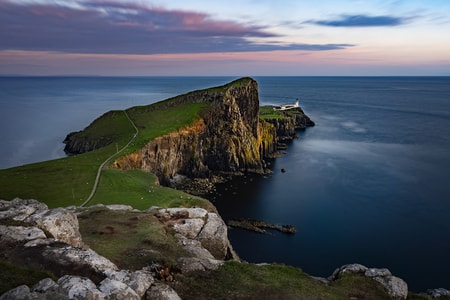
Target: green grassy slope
68, 181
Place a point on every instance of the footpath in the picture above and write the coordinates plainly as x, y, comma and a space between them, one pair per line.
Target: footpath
99, 171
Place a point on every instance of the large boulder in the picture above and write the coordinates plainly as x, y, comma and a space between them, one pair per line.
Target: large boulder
78, 288
114, 289
214, 236
61, 224
160, 291
21, 233
82, 258
195, 225
139, 281
20, 209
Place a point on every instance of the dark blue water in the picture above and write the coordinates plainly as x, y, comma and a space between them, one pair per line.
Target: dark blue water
370, 183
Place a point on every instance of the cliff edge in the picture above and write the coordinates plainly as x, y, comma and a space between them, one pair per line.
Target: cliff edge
229, 136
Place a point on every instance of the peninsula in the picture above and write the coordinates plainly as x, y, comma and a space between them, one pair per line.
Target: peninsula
138, 238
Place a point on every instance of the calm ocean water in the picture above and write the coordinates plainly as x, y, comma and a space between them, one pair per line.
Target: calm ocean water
370, 183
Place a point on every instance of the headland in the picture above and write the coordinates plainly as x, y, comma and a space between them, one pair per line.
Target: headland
150, 240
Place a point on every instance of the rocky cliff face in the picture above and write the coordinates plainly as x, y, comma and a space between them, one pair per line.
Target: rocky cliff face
77, 142
292, 120
230, 137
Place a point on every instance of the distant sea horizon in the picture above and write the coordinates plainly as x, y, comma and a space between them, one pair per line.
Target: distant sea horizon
367, 184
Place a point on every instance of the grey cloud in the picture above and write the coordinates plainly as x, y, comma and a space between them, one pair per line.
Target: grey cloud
361, 21
124, 28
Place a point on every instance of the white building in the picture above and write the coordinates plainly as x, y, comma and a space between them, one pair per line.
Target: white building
287, 106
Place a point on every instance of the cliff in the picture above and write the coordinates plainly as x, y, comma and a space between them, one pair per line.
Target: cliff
229, 137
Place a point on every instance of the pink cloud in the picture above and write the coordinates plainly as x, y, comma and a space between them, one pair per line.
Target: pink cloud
125, 28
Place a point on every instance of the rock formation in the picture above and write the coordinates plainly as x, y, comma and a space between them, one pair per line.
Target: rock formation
30, 235
77, 142
292, 120
228, 137
198, 230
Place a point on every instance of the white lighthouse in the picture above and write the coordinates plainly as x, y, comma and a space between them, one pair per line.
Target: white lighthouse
288, 106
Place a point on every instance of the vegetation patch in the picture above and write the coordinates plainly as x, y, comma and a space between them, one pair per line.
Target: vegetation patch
12, 276
138, 189
236, 280
132, 240
268, 112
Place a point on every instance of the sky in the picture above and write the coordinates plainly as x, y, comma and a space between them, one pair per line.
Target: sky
225, 38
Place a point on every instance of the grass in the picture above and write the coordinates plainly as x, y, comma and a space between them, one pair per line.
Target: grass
267, 112
131, 240
68, 181
236, 280
141, 192
12, 276
112, 126
162, 121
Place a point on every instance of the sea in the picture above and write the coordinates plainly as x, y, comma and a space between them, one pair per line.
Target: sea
369, 184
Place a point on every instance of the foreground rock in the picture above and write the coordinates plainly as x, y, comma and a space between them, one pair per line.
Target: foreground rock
84, 274
396, 287
60, 224
50, 239
34, 236
437, 293
204, 234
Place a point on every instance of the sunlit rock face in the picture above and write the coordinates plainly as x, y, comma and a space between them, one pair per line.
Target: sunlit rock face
229, 136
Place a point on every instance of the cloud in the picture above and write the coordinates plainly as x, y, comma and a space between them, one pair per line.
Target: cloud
113, 27
361, 21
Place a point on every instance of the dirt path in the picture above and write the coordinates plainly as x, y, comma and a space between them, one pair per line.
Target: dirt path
99, 171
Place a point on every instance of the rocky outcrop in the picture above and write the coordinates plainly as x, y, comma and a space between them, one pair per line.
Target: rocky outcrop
59, 224
203, 234
228, 137
79, 142
117, 285
396, 287
83, 273
291, 121
438, 293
